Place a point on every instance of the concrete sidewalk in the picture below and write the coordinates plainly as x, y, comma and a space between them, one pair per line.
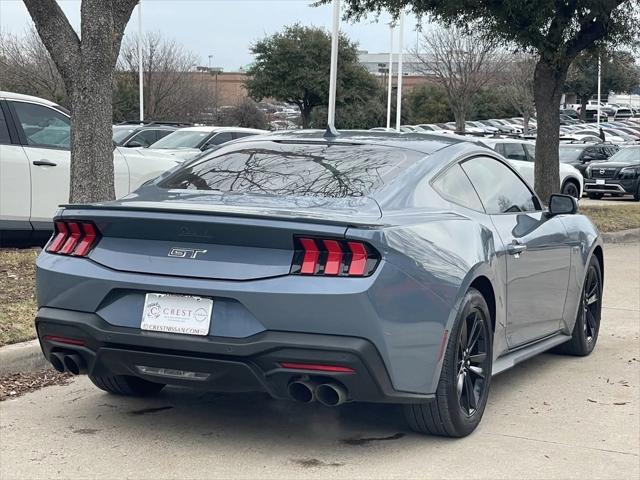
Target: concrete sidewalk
552, 417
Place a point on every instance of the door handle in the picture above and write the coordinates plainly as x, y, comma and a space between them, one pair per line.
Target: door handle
516, 248
44, 163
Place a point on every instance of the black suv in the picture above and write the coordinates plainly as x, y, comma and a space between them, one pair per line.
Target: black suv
580, 155
620, 175
135, 134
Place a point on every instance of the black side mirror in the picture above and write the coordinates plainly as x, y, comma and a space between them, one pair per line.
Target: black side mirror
135, 144
562, 205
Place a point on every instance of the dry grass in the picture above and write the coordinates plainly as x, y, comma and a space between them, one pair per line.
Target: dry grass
17, 295
614, 217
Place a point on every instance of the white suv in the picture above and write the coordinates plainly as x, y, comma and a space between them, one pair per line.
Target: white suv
521, 155
34, 167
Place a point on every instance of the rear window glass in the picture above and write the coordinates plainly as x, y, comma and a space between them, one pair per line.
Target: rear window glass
317, 170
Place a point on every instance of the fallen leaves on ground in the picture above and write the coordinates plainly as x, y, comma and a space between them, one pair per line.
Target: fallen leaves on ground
17, 384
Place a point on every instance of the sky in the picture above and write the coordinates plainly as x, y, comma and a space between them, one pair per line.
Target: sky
225, 29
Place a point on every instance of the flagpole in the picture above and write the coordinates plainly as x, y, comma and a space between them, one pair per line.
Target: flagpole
400, 48
390, 79
333, 74
140, 64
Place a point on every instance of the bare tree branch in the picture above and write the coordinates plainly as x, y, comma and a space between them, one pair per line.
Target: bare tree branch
58, 36
463, 63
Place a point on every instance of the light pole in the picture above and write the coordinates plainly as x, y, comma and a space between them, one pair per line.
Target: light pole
333, 74
140, 65
399, 94
390, 79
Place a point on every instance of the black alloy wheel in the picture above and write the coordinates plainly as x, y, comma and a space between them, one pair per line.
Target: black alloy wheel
472, 362
465, 378
587, 326
591, 305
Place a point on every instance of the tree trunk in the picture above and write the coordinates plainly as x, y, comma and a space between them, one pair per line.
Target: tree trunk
548, 82
459, 115
305, 114
91, 138
86, 64
583, 107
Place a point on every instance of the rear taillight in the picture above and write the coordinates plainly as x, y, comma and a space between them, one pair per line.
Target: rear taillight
73, 237
331, 257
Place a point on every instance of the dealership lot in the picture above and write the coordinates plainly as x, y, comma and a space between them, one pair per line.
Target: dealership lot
552, 416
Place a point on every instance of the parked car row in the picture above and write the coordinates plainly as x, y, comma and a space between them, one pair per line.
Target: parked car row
34, 147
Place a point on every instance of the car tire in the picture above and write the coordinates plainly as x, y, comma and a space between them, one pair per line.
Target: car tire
126, 385
450, 414
571, 188
595, 196
636, 196
587, 326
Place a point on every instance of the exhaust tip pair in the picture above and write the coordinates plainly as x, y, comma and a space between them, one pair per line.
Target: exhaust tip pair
328, 394
67, 362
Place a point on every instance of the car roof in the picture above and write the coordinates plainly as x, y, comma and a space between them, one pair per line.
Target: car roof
206, 128
145, 127
26, 98
426, 143
495, 141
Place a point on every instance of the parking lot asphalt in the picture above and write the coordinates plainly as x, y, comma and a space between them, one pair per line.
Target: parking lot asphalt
551, 417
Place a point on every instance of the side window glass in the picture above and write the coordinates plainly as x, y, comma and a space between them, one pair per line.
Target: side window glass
43, 126
455, 186
145, 137
4, 130
514, 151
531, 152
162, 133
241, 134
221, 138
499, 188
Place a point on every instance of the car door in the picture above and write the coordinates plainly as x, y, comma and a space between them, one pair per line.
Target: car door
536, 248
45, 135
15, 180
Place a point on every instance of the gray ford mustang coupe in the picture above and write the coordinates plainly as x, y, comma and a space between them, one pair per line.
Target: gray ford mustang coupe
369, 267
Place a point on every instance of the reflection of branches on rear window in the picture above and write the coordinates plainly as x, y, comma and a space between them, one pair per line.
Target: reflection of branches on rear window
310, 170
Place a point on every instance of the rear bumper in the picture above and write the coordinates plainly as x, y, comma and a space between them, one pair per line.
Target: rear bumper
226, 364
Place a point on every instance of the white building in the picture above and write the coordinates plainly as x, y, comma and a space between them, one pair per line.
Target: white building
378, 63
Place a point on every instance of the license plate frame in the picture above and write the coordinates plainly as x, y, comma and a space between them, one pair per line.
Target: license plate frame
179, 314
600, 181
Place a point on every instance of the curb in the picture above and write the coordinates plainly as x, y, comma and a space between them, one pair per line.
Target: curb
623, 236
22, 357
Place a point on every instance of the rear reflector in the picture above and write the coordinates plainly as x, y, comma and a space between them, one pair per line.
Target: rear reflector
329, 257
67, 340
73, 237
317, 367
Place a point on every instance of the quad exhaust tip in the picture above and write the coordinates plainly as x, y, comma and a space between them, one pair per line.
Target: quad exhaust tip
328, 394
331, 394
74, 364
303, 391
57, 361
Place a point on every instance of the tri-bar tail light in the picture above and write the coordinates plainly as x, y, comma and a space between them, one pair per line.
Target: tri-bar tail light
73, 237
333, 257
